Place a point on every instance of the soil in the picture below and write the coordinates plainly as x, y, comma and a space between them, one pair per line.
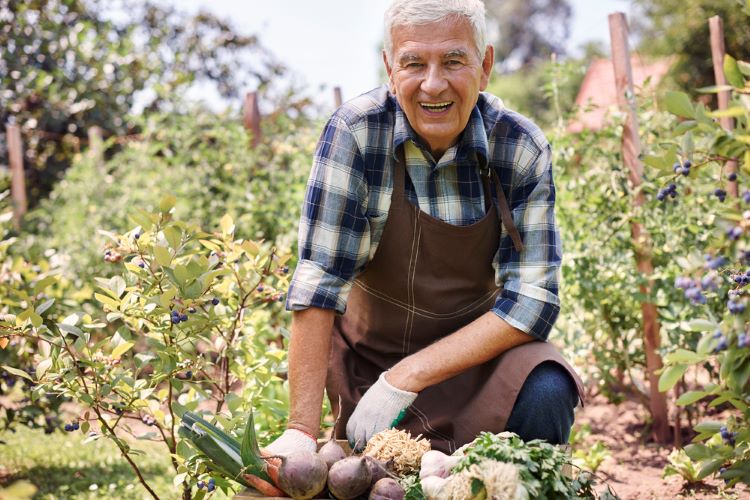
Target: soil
635, 465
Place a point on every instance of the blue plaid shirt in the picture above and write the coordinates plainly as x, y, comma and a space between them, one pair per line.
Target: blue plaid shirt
349, 193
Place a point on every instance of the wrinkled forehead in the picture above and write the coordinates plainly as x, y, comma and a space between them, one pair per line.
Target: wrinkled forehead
449, 36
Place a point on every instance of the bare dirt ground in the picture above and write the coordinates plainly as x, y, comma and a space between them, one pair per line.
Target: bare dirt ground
634, 469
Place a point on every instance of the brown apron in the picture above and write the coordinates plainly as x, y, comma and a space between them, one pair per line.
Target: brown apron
427, 279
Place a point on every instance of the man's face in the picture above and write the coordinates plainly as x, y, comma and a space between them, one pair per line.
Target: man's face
437, 76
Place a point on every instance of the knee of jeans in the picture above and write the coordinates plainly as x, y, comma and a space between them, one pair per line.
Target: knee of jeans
550, 385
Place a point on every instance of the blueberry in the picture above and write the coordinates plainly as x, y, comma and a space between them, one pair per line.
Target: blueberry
677, 167
687, 164
137, 235
189, 375
717, 334
191, 310
732, 177
175, 320
215, 301
722, 345
673, 194
260, 288
685, 171
211, 482
746, 196
76, 426
201, 485
183, 317
720, 194
142, 265
211, 485
68, 427
285, 269
661, 196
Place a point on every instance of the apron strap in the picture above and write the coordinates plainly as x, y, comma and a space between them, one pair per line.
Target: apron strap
399, 172
505, 214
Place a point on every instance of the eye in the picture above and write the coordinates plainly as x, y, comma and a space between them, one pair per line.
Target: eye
414, 65
453, 62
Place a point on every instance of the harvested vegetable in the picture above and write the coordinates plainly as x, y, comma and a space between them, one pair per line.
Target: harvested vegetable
349, 478
378, 469
437, 463
431, 486
386, 489
302, 474
398, 445
331, 452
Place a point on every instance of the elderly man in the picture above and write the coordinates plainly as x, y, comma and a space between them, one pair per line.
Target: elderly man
428, 253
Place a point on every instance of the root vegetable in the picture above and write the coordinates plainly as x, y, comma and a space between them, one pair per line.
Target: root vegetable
437, 463
431, 486
331, 452
386, 489
302, 474
378, 469
349, 478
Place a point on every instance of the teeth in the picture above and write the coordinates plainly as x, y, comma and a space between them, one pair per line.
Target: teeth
439, 106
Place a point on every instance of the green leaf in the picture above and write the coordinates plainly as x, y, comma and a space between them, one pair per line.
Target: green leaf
732, 72
227, 224
712, 426
43, 283
117, 285
173, 236
684, 356
670, 376
17, 372
42, 367
71, 329
702, 325
104, 299
690, 397
163, 257
249, 450
744, 67
697, 451
678, 103
42, 308
714, 89
121, 349
167, 203
732, 112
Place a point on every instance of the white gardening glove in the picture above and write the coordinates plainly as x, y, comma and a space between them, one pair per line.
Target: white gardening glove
381, 407
292, 440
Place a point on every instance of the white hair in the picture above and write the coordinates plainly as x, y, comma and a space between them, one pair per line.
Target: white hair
420, 12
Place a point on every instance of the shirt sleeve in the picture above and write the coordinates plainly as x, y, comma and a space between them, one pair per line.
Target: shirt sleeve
530, 278
334, 232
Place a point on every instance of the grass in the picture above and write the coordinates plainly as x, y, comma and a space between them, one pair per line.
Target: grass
61, 466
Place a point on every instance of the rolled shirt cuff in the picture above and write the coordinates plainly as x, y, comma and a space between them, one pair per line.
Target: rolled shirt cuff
529, 314
313, 286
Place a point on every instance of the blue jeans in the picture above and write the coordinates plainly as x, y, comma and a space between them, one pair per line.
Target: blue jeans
544, 407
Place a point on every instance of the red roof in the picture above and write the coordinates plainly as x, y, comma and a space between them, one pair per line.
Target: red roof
598, 89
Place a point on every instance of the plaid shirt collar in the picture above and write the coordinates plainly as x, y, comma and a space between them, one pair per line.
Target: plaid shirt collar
471, 149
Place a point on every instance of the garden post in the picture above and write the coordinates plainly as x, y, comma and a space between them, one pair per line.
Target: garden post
716, 27
17, 176
631, 149
251, 117
337, 99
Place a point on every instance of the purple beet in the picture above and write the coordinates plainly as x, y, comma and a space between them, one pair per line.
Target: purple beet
331, 452
386, 489
378, 469
302, 474
348, 478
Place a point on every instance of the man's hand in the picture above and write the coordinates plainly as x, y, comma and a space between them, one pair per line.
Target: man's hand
382, 407
291, 440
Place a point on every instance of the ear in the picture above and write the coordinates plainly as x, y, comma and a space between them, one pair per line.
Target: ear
487, 63
389, 72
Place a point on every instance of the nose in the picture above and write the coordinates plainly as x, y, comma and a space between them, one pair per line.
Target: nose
434, 81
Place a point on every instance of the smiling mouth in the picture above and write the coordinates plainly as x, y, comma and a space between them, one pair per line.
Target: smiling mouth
436, 107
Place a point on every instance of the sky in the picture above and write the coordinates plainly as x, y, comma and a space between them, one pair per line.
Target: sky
337, 42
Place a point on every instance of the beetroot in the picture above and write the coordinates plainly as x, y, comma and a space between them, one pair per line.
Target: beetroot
386, 489
331, 452
378, 470
302, 474
348, 478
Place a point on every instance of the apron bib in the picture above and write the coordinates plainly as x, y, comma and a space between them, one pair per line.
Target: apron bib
427, 279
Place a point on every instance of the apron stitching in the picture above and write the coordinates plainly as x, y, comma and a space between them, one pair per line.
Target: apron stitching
423, 312
410, 287
426, 424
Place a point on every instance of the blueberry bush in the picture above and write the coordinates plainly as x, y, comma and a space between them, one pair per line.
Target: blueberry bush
714, 272
188, 320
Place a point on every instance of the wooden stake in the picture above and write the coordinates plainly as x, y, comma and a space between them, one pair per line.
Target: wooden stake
252, 117
337, 99
631, 149
17, 176
716, 27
